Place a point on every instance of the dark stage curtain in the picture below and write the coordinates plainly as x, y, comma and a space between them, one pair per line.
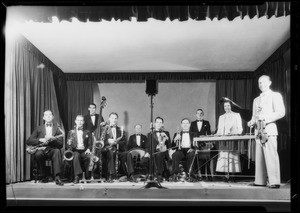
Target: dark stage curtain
160, 76
80, 94
29, 91
195, 11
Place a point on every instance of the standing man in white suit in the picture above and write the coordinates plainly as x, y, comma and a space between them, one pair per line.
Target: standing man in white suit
268, 107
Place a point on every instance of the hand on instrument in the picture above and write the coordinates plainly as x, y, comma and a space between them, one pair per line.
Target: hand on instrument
190, 150
164, 135
250, 123
147, 155
88, 152
177, 137
111, 141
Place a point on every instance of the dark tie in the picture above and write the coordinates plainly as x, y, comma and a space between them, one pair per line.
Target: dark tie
49, 125
185, 132
112, 126
92, 115
138, 134
199, 120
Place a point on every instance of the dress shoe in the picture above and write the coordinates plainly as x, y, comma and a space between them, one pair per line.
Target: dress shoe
58, 181
109, 179
132, 179
76, 180
174, 178
160, 178
275, 186
254, 184
44, 180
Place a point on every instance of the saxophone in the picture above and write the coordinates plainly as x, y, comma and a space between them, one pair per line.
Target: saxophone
32, 149
94, 158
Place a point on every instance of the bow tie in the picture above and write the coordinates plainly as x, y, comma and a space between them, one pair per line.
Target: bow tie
92, 115
138, 134
185, 132
112, 126
199, 120
80, 129
49, 125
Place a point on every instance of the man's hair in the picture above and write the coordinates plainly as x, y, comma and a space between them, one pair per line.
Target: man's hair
114, 113
159, 118
186, 119
265, 76
200, 110
92, 104
137, 125
49, 111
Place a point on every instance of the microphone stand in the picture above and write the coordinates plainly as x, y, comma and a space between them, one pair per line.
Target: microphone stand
152, 182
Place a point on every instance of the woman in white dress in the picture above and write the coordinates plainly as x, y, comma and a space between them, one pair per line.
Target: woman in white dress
230, 123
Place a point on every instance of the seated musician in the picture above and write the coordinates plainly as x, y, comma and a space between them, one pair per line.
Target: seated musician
160, 143
50, 139
114, 146
230, 123
185, 149
201, 127
137, 140
79, 141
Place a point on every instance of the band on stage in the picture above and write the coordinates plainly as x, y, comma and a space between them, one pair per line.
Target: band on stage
97, 150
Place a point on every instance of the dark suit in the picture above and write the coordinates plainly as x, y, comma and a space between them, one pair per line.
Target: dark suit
204, 156
52, 150
180, 154
88, 123
205, 129
160, 157
131, 145
109, 154
79, 155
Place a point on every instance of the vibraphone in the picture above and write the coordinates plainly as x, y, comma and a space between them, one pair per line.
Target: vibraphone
205, 142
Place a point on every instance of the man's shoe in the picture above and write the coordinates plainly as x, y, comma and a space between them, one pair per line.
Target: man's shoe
44, 180
58, 181
254, 184
132, 179
76, 180
109, 179
160, 178
275, 186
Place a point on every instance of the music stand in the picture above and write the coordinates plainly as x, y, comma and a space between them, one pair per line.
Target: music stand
152, 183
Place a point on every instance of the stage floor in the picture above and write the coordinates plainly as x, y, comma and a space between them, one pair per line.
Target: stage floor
128, 193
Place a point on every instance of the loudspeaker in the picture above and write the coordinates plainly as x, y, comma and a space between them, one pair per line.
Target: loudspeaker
151, 87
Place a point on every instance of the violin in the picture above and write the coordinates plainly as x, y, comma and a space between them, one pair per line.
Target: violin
262, 135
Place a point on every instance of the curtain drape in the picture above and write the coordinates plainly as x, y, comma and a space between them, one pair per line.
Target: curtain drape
142, 12
29, 91
80, 95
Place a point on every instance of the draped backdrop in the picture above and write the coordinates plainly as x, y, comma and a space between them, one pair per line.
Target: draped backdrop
33, 84
29, 91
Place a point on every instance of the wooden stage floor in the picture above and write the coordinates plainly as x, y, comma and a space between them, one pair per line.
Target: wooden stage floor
200, 193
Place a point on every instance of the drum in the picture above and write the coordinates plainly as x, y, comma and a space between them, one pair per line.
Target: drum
137, 153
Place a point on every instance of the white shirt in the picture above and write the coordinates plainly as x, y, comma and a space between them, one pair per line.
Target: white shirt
48, 130
93, 117
199, 125
185, 142
138, 140
79, 140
